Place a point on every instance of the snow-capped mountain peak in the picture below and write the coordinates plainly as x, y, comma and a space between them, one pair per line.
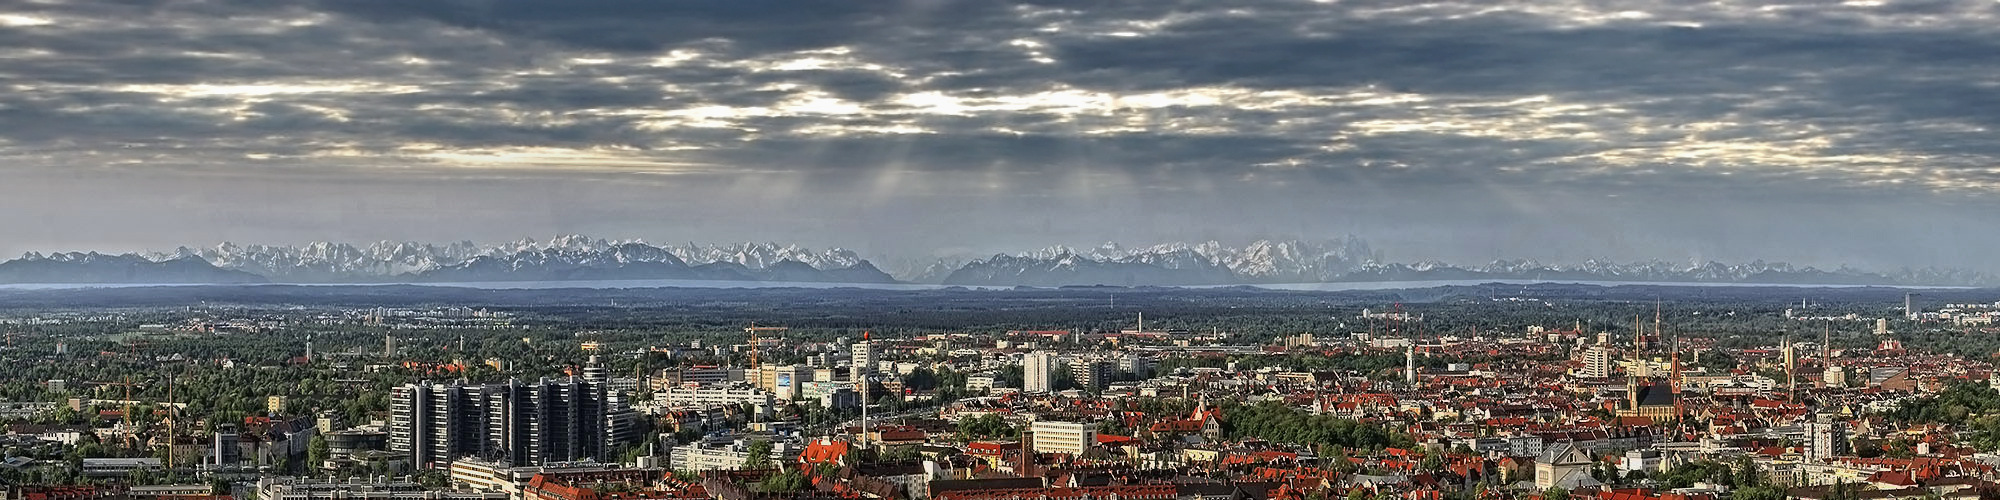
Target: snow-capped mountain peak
330, 261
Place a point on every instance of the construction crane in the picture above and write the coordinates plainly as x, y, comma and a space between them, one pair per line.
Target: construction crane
130, 433
753, 330
173, 417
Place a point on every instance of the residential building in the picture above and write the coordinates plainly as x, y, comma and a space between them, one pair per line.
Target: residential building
1038, 372
691, 398
1596, 362
1827, 438
522, 424
979, 384
1091, 375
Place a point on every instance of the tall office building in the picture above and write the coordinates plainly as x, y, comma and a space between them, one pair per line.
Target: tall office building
864, 358
1038, 372
521, 424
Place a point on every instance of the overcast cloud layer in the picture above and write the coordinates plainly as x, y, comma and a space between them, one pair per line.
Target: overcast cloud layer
1816, 132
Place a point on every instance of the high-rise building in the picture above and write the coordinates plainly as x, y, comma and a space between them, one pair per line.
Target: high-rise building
1137, 365
388, 346
1091, 374
1597, 362
1038, 372
522, 424
1829, 438
863, 362
595, 373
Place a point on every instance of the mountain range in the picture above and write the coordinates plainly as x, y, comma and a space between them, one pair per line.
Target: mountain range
574, 258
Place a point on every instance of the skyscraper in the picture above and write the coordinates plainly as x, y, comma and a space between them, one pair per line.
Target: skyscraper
1038, 372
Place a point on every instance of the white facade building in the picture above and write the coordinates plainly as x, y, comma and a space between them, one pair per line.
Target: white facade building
1038, 372
1071, 438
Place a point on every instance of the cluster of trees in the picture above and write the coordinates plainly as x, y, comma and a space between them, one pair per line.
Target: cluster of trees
1953, 405
988, 426
1973, 408
1742, 477
1280, 423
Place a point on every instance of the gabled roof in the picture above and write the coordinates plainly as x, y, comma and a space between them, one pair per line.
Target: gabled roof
1563, 453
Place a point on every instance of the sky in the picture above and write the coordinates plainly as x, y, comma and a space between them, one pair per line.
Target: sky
1813, 132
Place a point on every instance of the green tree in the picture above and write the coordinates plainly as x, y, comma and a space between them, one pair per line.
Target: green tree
788, 481
986, 426
316, 452
1747, 475
1758, 493
759, 454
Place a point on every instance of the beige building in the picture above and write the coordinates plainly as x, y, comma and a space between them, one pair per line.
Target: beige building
1596, 362
1063, 437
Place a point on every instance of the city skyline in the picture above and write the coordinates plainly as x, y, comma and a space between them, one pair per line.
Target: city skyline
1817, 134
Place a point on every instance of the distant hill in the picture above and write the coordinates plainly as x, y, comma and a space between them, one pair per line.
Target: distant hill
100, 268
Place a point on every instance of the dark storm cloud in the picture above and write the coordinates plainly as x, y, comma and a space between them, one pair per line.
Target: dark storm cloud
1514, 101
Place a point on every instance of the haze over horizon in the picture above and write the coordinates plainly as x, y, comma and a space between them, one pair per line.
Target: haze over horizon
1815, 133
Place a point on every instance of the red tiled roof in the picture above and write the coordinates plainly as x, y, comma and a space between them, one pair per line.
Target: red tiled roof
824, 452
